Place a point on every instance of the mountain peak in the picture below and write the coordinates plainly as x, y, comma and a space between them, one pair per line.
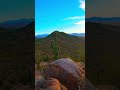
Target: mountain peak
57, 33
62, 36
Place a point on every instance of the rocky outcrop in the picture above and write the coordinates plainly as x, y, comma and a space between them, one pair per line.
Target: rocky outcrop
63, 87
67, 72
81, 64
38, 77
48, 84
63, 74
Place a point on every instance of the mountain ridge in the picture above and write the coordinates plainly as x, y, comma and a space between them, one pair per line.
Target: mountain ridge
70, 46
72, 34
15, 24
103, 19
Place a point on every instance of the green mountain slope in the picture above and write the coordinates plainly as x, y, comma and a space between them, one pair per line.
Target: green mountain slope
70, 46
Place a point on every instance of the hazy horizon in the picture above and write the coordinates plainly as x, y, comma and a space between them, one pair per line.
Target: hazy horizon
53, 31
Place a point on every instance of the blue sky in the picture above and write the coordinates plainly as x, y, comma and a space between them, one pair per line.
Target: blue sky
62, 15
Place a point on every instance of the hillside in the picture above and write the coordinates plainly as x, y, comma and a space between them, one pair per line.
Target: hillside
70, 46
103, 47
17, 56
16, 24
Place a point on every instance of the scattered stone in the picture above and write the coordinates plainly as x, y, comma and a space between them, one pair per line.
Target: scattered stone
48, 84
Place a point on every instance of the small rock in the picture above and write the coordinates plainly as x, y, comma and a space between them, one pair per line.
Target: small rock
48, 84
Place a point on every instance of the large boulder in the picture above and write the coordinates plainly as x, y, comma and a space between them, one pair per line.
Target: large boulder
67, 72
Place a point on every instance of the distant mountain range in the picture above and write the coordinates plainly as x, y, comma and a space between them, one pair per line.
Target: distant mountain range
72, 34
41, 35
15, 24
101, 19
78, 34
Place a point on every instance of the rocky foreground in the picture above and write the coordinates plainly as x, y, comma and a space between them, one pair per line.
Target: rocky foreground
63, 74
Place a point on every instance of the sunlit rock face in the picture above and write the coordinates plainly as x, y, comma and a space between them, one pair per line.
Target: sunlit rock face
67, 72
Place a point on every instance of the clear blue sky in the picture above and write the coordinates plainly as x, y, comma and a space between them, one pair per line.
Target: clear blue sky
62, 15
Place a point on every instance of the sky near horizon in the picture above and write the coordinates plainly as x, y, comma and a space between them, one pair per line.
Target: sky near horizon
62, 15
